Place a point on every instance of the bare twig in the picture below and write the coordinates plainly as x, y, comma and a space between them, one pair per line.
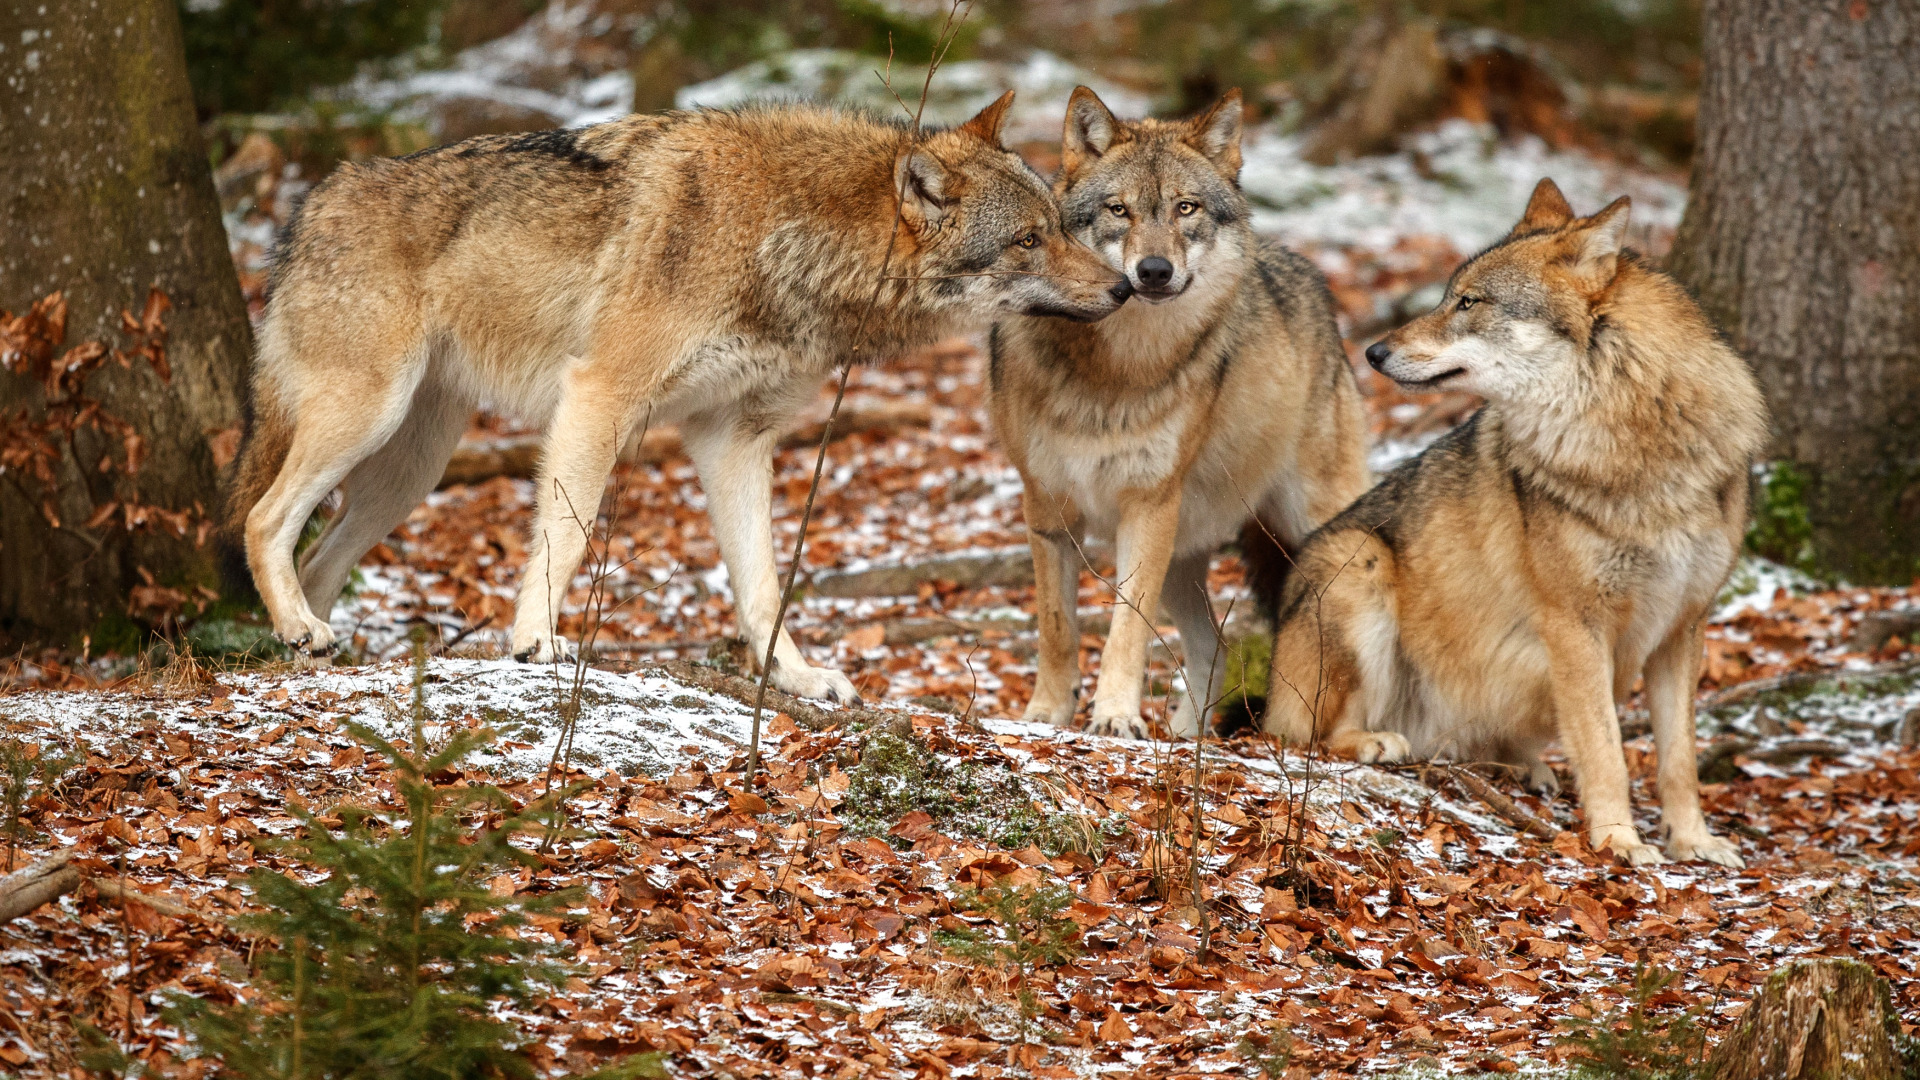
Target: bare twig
943, 41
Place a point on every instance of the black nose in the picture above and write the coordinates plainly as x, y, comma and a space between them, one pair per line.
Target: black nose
1154, 272
1121, 290
1377, 354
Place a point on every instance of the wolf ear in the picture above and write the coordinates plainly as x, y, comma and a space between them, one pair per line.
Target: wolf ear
921, 183
1547, 209
1597, 242
1090, 130
985, 125
1216, 133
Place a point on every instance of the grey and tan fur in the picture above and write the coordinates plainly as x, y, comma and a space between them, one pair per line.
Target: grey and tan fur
1509, 585
1219, 393
704, 268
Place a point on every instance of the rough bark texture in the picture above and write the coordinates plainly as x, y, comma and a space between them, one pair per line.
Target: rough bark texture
1802, 238
1814, 1020
26, 890
105, 191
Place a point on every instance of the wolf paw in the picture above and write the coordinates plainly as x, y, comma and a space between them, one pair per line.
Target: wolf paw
1542, 780
807, 681
309, 636
546, 650
1372, 746
1119, 725
1040, 712
1705, 847
1626, 843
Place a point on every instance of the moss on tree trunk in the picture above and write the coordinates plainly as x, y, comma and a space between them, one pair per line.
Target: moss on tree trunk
105, 192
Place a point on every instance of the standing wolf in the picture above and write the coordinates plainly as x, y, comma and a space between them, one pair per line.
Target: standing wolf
1510, 583
1167, 427
707, 268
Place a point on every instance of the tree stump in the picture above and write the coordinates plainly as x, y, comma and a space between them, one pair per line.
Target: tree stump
1814, 1020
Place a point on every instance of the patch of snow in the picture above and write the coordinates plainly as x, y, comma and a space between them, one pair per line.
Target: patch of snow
1753, 584
1459, 181
1041, 83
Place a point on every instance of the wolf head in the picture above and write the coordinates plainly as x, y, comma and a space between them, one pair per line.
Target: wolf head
988, 232
1160, 201
1515, 317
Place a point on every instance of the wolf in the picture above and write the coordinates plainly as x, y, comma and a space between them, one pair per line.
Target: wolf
1218, 400
706, 268
1509, 584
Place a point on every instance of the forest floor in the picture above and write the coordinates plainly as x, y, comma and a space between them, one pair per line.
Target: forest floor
1276, 914
1365, 920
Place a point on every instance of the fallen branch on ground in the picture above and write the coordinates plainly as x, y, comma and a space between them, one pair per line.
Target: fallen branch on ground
24, 891
1518, 816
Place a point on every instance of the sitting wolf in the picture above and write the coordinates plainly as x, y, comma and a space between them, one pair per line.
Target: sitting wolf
1509, 584
704, 268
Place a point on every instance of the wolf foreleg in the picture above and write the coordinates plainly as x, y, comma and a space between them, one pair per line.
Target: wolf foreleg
1582, 673
1142, 549
1672, 673
1056, 602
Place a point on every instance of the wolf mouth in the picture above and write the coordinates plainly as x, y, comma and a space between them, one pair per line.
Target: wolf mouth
1432, 383
1159, 296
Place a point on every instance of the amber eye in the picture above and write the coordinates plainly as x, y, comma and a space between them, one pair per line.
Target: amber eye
1117, 210
1187, 208
1031, 240
1468, 301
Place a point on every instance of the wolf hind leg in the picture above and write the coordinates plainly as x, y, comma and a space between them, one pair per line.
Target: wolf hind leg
382, 490
331, 435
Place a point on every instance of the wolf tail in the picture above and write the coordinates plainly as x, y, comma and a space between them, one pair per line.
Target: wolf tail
1268, 561
266, 435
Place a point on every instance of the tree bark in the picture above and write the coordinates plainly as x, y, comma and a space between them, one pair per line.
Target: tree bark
105, 192
1814, 1020
1802, 238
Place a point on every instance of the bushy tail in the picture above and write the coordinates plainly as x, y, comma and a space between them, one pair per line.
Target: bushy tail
266, 435
1268, 561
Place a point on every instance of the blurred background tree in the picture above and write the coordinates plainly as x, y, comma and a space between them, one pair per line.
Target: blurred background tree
250, 56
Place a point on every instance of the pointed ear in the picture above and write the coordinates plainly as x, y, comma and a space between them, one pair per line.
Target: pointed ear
986, 125
1216, 133
1547, 209
1090, 130
1597, 241
921, 183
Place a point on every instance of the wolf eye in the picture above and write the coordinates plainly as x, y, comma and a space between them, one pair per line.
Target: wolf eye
1187, 208
1117, 209
1468, 301
1031, 240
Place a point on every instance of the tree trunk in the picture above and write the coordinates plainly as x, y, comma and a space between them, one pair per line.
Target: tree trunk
106, 192
1814, 1020
1802, 238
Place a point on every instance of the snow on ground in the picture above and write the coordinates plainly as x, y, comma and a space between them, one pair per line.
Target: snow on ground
1458, 181
1042, 83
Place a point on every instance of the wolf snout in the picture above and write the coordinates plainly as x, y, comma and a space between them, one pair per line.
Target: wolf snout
1120, 290
1154, 272
1377, 355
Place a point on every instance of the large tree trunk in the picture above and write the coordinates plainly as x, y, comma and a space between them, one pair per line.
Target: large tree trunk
106, 192
1802, 238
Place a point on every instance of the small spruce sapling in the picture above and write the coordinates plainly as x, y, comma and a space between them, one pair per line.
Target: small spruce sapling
1633, 1044
27, 770
389, 950
1024, 932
